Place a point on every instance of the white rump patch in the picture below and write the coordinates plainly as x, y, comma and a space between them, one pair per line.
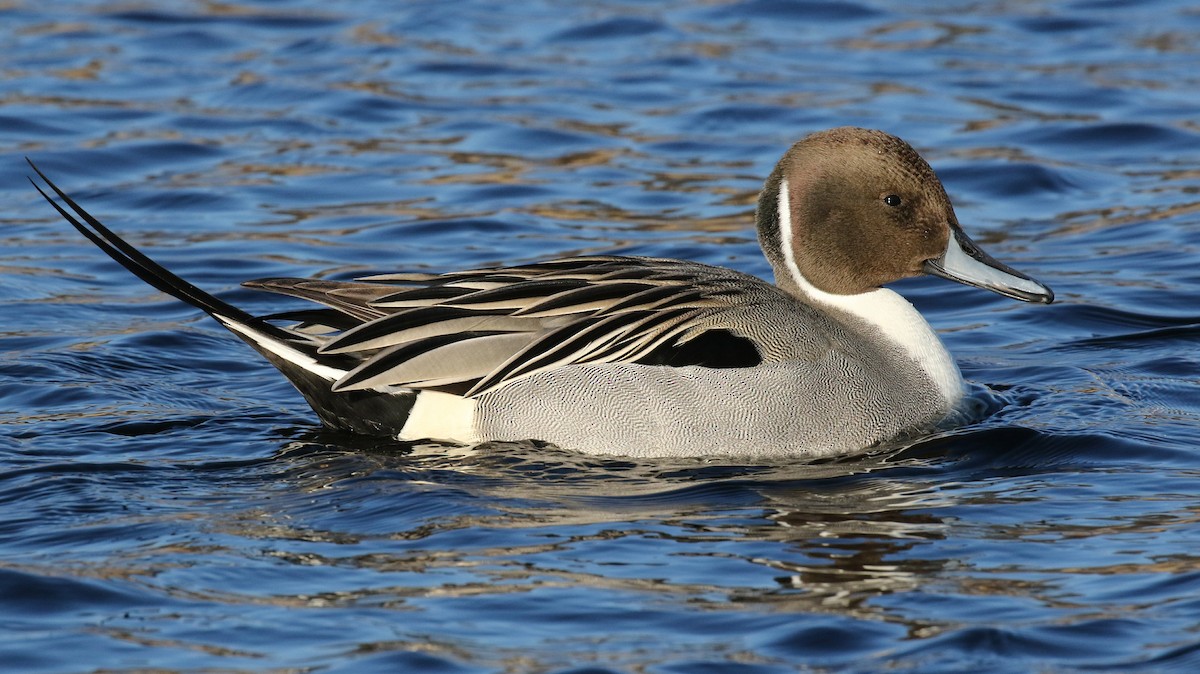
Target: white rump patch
441, 416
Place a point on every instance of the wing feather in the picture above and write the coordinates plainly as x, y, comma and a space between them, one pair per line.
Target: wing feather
509, 296
587, 298
626, 336
467, 357
346, 296
480, 329
424, 323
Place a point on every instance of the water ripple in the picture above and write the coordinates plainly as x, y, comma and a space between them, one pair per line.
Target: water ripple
168, 502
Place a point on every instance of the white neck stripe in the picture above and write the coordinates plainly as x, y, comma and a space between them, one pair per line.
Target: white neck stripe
785, 236
895, 318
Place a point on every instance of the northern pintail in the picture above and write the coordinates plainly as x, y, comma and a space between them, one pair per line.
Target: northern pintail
648, 356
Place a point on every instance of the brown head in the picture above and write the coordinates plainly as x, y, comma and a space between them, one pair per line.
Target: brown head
851, 209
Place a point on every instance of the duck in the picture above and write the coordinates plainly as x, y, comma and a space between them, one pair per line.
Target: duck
646, 356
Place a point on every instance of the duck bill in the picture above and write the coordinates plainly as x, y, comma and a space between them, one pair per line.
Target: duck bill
965, 263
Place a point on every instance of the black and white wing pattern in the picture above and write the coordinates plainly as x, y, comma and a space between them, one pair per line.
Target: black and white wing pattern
469, 332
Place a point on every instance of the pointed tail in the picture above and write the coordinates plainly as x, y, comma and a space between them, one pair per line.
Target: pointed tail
292, 353
146, 269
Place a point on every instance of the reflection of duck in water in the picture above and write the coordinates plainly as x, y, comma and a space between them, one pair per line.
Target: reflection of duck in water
648, 356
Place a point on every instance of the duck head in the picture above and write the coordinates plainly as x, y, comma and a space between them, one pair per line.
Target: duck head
848, 210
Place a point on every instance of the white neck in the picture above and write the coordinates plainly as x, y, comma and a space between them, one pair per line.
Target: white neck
897, 320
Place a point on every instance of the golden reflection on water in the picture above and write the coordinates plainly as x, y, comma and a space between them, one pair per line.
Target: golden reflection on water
911, 35
839, 546
1075, 223
835, 538
831, 543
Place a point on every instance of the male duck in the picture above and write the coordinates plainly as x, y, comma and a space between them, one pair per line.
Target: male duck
648, 356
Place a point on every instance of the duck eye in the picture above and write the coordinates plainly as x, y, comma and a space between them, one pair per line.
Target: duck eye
893, 200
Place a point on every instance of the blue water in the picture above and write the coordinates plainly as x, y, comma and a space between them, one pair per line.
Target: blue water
168, 503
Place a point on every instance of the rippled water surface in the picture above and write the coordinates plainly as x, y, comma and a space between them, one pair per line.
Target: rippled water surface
169, 503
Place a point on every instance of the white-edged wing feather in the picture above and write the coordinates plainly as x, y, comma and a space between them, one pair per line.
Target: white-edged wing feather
476, 330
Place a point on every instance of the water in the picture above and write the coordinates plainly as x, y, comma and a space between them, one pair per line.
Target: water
168, 503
